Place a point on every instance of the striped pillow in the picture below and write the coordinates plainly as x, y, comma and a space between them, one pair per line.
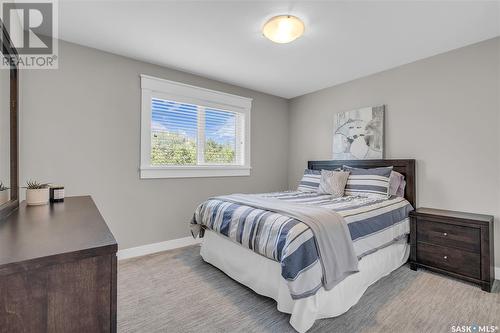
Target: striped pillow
369, 182
310, 181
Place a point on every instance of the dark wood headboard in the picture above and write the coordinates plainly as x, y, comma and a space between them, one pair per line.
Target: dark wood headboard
404, 167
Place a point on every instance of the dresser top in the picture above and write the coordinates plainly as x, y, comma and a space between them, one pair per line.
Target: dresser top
453, 214
40, 235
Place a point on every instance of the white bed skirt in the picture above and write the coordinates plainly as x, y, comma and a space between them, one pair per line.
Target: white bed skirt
264, 277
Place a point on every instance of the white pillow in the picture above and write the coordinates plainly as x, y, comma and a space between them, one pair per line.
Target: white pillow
333, 182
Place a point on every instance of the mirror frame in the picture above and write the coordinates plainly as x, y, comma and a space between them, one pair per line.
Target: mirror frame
10, 51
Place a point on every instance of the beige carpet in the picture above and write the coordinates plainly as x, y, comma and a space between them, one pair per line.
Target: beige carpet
176, 291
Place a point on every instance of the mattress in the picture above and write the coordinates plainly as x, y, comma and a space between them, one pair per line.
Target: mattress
264, 277
373, 224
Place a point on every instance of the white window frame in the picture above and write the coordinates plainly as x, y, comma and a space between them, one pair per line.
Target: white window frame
153, 87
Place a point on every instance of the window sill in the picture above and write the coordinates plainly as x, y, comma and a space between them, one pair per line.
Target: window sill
194, 172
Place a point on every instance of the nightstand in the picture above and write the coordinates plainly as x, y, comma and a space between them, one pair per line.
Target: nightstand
453, 243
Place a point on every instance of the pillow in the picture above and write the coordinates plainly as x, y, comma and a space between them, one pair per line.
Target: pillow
310, 181
369, 182
395, 181
333, 182
401, 189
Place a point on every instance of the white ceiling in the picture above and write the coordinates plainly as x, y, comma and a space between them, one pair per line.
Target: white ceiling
222, 40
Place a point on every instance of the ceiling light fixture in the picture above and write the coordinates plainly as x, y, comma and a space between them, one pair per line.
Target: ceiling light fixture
283, 28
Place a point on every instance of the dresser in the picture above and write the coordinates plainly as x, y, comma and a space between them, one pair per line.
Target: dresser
57, 269
453, 243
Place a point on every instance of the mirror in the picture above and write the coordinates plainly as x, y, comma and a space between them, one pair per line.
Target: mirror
9, 98
4, 136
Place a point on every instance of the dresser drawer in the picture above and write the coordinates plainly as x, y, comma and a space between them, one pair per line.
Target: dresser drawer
461, 237
450, 259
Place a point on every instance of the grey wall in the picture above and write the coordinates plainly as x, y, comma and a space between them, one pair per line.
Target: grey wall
443, 111
80, 127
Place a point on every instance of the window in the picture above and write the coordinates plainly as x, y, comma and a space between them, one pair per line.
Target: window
188, 131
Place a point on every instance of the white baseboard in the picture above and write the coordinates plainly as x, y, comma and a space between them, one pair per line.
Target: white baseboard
156, 247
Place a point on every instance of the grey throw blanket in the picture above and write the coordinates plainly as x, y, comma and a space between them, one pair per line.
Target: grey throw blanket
333, 240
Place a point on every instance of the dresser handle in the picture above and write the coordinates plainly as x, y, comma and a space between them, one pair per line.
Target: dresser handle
445, 234
445, 257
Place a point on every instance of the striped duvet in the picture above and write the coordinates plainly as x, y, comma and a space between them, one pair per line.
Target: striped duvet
373, 224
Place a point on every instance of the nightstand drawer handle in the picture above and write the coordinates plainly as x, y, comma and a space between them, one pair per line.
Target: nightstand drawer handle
445, 257
445, 234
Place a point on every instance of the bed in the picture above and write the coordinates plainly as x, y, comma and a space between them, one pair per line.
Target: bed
275, 255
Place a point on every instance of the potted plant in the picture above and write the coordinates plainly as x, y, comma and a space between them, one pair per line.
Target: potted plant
36, 193
4, 194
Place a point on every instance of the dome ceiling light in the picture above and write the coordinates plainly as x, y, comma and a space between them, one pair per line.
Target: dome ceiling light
283, 29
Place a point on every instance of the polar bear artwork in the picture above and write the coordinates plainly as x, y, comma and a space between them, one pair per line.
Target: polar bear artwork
359, 134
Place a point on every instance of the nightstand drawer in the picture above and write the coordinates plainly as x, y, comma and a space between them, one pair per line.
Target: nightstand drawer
466, 238
450, 259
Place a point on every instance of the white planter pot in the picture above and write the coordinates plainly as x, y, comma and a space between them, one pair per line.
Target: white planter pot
37, 197
4, 197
